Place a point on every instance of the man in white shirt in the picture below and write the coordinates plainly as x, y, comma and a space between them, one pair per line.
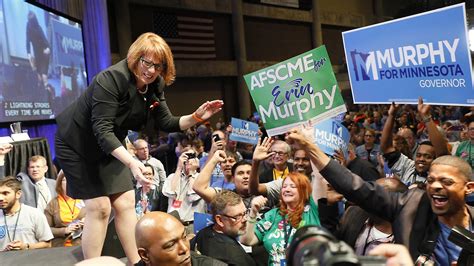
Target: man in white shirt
142, 153
21, 227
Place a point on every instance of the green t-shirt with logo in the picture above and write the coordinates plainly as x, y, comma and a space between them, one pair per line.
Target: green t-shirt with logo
271, 231
466, 152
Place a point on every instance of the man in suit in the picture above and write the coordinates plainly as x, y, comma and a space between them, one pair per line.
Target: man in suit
421, 219
220, 240
37, 190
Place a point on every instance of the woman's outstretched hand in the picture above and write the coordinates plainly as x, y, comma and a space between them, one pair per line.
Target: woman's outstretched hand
208, 109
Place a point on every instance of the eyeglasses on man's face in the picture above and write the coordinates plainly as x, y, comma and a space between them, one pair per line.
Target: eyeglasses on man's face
238, 217
279, 153
147, 64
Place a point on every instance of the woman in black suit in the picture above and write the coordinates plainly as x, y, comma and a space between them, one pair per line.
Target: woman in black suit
91, 133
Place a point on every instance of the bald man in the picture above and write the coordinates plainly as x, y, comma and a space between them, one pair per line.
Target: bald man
162, 240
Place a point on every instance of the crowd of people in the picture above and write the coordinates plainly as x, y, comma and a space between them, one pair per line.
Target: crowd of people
382, 191
405, 179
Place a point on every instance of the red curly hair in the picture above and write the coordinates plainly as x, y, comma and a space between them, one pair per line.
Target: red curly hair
304, 191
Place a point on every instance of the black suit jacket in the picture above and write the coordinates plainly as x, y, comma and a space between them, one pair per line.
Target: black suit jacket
413, 220
351, 225
98, 121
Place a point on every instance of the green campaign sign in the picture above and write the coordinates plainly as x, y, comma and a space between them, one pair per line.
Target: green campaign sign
295, 91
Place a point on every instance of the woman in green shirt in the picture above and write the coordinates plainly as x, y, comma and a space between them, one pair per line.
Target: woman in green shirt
278, 226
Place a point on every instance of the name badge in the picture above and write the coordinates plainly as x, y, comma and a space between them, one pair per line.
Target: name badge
176, 204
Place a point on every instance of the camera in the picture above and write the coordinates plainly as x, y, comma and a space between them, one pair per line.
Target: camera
465, 239
314, 245
216, 137
191, 155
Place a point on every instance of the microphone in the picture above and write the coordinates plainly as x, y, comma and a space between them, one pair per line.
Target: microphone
155, 102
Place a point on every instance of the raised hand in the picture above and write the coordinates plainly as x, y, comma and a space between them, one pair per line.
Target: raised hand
137, 169
339, 156
5, 148
256, 204
423, 109
219, 157
262, 150
392, 111
295, 137
208, 109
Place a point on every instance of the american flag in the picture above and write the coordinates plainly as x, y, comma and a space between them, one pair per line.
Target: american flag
190, 37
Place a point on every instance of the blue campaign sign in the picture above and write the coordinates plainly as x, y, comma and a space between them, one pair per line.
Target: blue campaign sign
202, 220
244, 131
330, 135
67, 41
421, 55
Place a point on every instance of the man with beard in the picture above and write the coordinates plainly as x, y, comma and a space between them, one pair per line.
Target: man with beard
421, 220
21, 227
406, 169
171, 247
240, 175
219, 240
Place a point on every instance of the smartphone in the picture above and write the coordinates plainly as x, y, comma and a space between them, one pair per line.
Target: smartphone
191, 155
216, 137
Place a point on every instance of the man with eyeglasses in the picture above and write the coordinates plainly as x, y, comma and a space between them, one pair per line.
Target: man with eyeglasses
219, 240
281, 153
421, 219
240, 174
142, 152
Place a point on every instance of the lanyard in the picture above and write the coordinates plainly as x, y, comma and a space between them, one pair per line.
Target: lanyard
16, 224
287, 229
183, 189
71, 210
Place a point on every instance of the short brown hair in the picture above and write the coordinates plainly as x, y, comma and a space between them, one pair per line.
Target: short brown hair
151, 43
222, 200
11, 182
36, 158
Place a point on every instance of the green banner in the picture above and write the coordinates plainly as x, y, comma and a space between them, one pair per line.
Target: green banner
295, 91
